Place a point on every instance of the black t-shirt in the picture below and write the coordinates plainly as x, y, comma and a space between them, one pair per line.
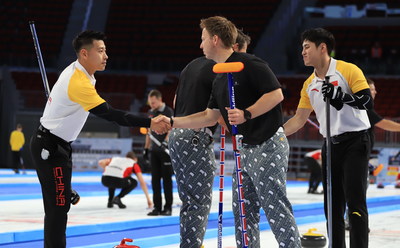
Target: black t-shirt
251, 83
373, 119
167, 111
194, 88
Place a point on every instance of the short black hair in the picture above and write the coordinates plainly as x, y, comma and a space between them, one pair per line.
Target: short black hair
318, 36
86, 38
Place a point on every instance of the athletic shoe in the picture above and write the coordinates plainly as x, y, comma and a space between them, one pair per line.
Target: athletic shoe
117, 201
166, 212
154, 212
110, 205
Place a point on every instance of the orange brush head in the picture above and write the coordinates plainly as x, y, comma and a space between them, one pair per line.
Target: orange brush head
228, 67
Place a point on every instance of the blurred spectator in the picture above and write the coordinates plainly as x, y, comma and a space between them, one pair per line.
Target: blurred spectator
376, 57
17, 141
313, 160
376, 51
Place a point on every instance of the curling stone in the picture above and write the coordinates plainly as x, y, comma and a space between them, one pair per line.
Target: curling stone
313, 240
397, 185
123, 245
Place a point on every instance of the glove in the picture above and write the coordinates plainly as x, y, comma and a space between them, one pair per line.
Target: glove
74, 197
329, 91
146, 154
335, 94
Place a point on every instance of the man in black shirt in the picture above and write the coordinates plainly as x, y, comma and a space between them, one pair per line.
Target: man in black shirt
160, 161
258, 116
377, 120
192, 152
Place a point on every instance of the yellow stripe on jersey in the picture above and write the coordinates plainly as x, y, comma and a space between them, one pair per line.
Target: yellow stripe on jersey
304, 98
81, 91
353, 75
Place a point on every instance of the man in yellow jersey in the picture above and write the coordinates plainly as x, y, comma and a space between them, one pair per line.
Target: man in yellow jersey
350, 99
17, 141
71, 99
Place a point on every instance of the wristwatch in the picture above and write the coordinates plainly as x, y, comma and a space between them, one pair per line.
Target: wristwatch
247, 114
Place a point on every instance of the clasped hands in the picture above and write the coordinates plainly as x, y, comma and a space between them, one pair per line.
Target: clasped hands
160, 124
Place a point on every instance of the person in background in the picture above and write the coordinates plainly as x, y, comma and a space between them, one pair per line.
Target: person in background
313, 161
242, 42
117, 174
160, 161
17, 141
377, 120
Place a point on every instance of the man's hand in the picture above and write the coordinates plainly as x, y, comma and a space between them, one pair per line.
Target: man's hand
335, 94
235, 116
329, 91
150, 204
160, 124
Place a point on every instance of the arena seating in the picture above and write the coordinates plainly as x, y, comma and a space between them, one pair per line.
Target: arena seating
353, 44
50, 17
161, 35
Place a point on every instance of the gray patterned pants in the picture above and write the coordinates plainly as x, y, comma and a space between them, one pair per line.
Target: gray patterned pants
264, 170
194, 168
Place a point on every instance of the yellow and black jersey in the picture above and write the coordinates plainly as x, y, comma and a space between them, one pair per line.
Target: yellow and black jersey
351, 79
72, 96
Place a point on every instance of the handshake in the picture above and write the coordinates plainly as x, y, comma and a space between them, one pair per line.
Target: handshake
161, 124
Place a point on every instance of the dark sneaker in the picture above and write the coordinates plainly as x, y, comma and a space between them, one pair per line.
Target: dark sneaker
166, 212
154, 212
118, 201
110, 205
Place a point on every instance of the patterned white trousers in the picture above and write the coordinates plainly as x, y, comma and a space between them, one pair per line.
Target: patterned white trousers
264, 170
194, 167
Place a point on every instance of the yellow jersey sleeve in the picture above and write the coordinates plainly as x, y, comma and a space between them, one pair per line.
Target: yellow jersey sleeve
81, 91
304, 99
354, 76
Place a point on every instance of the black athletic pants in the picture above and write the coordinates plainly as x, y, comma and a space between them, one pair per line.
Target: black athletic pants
52, 160
161, 169
349, 185
315, 174
126, 185
16, 158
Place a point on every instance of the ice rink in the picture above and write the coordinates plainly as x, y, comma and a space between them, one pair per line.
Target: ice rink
92, 224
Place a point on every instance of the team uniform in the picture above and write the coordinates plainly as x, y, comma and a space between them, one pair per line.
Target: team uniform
193, 163
117, 174
17, 141
264, 154
350, 150
66, 111
161, 168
